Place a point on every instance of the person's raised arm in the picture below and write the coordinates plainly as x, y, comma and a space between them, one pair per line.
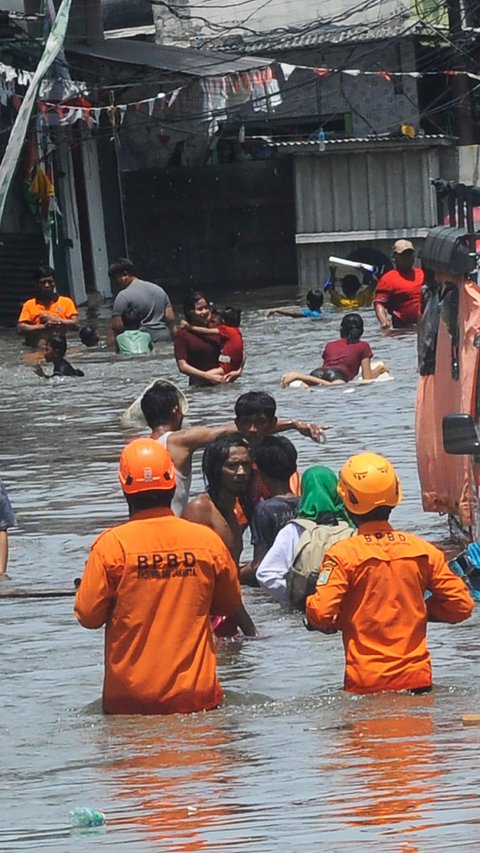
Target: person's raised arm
200, 330
195, 438
310, 430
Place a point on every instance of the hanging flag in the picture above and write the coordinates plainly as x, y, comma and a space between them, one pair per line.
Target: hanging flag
38, 186
287, 70
14, 146
173, 97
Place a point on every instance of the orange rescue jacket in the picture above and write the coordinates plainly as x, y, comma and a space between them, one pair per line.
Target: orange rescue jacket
372, 587
153, 582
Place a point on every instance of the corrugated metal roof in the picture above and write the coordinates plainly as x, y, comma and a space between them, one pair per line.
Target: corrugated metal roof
310, 146
332, 34
195, 63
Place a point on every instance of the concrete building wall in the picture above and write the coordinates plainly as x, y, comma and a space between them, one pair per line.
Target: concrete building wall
218, 21
367, 104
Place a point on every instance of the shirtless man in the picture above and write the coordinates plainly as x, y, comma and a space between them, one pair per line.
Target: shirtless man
227, 468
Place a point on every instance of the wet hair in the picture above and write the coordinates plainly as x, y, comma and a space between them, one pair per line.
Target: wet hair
351, 328
314, 299
380, 513
131, 319
59, 344
214, 457
254, 404
158, 404
149, 500
231, 316
276, 457
88, 336
122, 266
350, 285
191, 299
43, 272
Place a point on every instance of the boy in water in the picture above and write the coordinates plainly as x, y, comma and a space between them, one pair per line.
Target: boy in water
314, 300
55, 349
352, 297
89, 336
163, 406
133, 341
276, 464
231, 359
372, 587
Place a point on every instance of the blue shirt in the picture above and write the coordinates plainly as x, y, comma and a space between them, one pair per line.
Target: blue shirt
7, 517
307, 312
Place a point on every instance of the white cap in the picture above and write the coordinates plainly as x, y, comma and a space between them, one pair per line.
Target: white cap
133, 416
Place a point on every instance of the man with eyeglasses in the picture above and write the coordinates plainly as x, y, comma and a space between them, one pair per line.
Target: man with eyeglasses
47, 312
398, 293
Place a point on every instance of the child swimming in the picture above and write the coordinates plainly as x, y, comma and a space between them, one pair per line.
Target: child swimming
314, 300
342, 359
55, 349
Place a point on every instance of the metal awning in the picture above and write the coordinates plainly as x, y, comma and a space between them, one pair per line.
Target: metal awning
194, 63
350, 144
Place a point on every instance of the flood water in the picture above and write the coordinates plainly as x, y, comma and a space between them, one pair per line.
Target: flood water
290, 762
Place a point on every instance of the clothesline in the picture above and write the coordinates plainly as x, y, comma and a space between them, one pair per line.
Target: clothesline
260, 86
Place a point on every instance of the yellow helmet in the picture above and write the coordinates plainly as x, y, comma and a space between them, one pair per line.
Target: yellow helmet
367, 481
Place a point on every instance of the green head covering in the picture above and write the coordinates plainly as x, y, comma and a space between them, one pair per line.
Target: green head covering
319, 495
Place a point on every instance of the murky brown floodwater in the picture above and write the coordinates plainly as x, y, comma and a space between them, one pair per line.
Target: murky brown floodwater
290, 762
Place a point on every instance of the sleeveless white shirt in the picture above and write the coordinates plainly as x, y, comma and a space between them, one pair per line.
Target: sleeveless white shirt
182, 491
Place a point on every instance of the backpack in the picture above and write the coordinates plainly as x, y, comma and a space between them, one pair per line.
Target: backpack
315, 540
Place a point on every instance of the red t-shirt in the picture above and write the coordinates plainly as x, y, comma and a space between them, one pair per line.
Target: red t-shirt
198, 351
231, 353
401, 294
345, 356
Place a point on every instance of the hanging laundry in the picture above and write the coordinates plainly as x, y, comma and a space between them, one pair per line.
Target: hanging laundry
271, 88
215, 101
259, 101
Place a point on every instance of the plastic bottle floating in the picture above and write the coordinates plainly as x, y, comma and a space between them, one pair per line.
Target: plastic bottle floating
86, 818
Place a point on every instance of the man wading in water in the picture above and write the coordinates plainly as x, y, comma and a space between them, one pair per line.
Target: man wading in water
153, 582
227, 469
372, 587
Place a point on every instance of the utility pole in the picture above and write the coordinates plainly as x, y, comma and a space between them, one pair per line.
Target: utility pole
86, 23
460, 83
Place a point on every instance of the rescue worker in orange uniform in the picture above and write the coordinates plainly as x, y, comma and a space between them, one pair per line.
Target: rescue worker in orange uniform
372, 586
153, 582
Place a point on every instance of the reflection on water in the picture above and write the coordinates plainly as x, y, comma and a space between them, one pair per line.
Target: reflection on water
290, 762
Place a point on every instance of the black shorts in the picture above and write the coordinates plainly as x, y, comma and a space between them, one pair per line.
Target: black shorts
330, 374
